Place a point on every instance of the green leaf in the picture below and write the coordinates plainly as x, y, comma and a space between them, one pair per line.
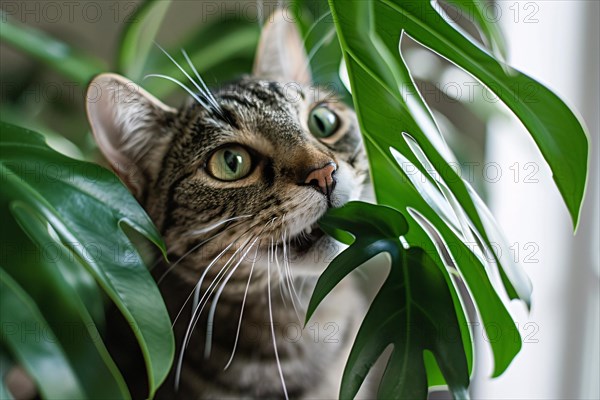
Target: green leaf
414, 309
5, 365
138, 37
53, 53
491, 31
34, 345
56, 289
322, 47
557, 131
85, 205
376, 76
19, 250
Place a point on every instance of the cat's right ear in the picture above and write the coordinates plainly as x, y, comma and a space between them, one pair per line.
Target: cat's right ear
128, 124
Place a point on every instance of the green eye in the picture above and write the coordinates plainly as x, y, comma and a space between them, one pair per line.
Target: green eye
230, 163
322, 122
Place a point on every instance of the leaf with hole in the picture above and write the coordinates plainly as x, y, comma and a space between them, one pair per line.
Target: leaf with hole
414, 310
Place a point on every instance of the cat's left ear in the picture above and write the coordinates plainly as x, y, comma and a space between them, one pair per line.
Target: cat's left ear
280, 55
129, 125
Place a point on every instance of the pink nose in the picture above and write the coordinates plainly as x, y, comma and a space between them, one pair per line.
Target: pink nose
322, 178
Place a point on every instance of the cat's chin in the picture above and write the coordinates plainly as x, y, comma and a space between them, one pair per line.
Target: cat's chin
306, 239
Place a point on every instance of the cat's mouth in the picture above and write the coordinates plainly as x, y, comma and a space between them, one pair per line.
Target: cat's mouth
303, 241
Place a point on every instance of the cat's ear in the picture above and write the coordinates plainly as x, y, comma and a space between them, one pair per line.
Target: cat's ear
280, 55
128, 124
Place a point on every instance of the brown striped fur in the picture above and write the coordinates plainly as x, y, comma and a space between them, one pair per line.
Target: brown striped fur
161, 153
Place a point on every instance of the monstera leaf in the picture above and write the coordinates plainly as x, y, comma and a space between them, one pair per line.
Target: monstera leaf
411, 170
414, 309
81, 207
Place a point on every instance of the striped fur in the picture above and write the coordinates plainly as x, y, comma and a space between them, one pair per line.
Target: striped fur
271, 212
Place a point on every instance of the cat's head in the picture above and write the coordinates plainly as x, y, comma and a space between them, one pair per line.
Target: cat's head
264, 158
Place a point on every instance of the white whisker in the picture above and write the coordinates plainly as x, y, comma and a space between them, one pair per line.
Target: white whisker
197, 310
259, 13
196, 247
273, 329
287, 279
208, 106
200, 303
206, 91
325, 39
237, 334
314, 25
276, 260
290, 275
213, 307
195, 291
190, 92
216, 225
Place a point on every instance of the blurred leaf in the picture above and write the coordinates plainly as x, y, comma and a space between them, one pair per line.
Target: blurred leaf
34, 344
138, 37
414, 309
53, 53
5, 365
67, 193
320, 40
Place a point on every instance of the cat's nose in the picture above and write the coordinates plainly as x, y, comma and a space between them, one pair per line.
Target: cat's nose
322, 178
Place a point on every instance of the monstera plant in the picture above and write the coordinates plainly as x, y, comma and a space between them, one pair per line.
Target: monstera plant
59, 270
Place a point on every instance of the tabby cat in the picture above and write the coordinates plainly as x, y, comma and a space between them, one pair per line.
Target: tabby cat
236, 180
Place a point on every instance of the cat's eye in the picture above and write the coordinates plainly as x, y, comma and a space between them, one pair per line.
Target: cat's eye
322, 122
230, 163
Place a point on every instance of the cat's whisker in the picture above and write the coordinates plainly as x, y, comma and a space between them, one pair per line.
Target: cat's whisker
290, 274
216, 225
200, 304
198, 289
273, 329
207, 93
324, 40
303, 283
198, 309
314, 25
213, 307
199, 286
287, 280
209, 324
259, 13
204, 104
237, 333
176, 81
195, 291
196, 247
281, 281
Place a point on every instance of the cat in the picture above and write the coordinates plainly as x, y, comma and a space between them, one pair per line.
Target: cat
236, 181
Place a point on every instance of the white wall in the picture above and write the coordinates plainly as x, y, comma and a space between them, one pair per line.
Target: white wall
559, 45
